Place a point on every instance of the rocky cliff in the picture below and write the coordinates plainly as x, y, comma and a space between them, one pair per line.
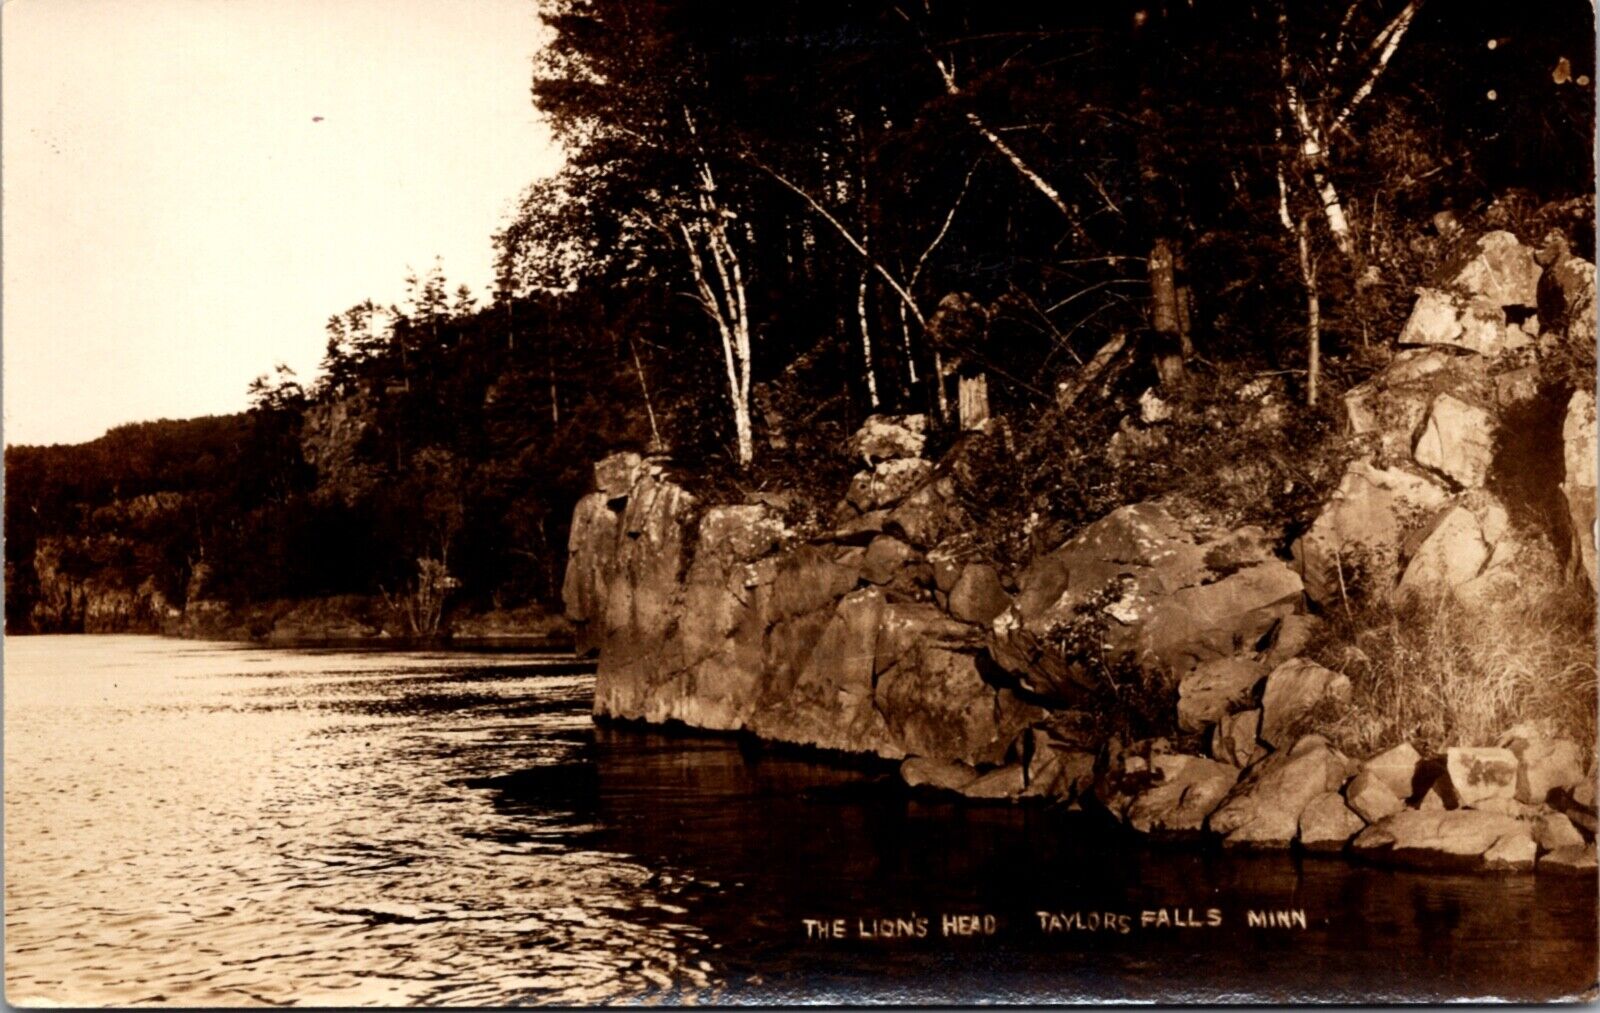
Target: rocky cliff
886, 634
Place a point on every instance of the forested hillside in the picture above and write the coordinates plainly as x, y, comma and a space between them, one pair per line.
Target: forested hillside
778, 219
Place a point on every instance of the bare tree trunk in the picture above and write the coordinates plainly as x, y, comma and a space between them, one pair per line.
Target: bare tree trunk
1068, 393
1165, 314
725, 301
905, 342
972, 401
1308, 277
866, 341
656, 443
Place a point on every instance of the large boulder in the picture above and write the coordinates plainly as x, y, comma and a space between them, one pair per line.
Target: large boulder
1388, 409
1372, 797
1578, 485
1572, 860
1294, 689
887, 483
1327, 823
1457, 838
1215, 689
1263, 810
1545, 766
1058, 765
1553, 830
1397, 768
886, 557
931, 513
1236, 739
1455, 549
1185, 791
1141, 584
1466, 307
1501, 270
1511, 853
1481, 773
1289, 639
1445, 318
978, 596
1359, 533
821, 691
1457, 440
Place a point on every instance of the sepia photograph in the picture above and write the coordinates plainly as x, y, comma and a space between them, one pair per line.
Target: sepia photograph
903, 502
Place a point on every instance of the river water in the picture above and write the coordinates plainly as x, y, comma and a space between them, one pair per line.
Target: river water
203, 824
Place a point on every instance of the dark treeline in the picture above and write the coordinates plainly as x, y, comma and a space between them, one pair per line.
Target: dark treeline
778, 218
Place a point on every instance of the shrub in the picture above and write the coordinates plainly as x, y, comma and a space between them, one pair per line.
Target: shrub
1440, 673
1130, 699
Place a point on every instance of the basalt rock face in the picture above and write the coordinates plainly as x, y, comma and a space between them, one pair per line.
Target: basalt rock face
720, 618
892, 635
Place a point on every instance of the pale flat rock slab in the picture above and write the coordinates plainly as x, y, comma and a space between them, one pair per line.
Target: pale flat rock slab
1328, 824
1457, 440
1007, 782
1453, 553
1371, 797
1454, 838
1480, 773
1395, 767
1435, 319
1294, 689
1515, 852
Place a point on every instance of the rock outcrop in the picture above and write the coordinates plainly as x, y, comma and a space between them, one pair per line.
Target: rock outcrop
891, 635
719, 618
1164, 592
1412, 516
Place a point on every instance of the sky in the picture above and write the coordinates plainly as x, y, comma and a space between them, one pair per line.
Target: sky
191, 187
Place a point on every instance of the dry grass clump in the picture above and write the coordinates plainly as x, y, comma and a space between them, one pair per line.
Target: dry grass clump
1441, 673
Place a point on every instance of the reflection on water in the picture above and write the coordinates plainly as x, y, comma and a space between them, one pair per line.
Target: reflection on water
203, 824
